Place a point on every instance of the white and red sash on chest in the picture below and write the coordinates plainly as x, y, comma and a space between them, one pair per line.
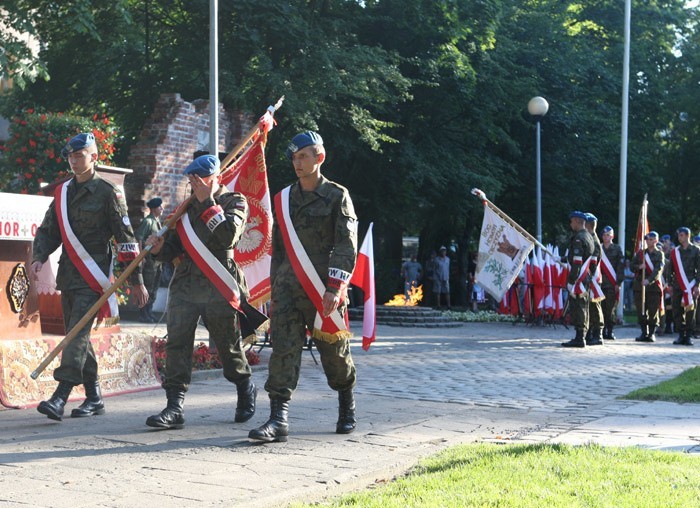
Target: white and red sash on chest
83, 261
649, 268
333, 327
595, 291
580, 284
210, 266
685, 285
607, 268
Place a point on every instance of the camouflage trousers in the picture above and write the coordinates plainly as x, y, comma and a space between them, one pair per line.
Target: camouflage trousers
609, 305
684, 319
151, 278
651, 314
221, 320
291, 314
579, 312
595, 314
78, 361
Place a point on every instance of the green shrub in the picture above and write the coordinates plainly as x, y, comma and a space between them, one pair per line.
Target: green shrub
32, 154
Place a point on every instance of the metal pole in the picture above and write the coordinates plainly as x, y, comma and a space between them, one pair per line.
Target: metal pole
213, 78
539, 187
623, 143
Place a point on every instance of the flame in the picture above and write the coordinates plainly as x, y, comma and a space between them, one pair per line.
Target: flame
414, 297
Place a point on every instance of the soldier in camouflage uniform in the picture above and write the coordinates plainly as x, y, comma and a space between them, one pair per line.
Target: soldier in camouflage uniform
689, 255
581, 249
323, 217
648, 279
150, 225
613, 253
594, 335
218, 220
96, 212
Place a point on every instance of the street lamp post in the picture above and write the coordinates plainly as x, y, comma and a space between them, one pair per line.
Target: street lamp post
538, 107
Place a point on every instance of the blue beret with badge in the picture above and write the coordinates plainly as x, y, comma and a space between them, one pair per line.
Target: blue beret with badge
577, 215
608, 229
82, 140
154, 203
591, 218
651, 234
204, 165
683, 229
302, 140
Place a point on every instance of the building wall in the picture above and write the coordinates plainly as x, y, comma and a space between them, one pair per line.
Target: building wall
175, 131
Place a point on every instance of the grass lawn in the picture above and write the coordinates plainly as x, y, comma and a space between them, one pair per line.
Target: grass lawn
684, 388
539, 476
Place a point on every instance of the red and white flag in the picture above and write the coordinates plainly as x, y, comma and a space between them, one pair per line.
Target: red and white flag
249, 177
363, 277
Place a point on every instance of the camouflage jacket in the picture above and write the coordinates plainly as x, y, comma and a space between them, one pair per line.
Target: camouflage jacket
690, 257
325, 221
150, 225
658, 260
188, 279
581, 248
97, 213
617, 261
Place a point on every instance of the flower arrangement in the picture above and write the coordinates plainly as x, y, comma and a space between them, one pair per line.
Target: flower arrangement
482, 316
202, 357
32, 154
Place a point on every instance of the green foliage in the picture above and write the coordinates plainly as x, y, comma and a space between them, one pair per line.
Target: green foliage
32, 154
539, 475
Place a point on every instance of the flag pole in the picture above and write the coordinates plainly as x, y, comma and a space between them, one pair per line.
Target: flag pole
642, 227
482, 196
170, 222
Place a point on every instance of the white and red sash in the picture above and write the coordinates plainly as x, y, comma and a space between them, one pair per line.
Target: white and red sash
607, 268
579, 285
333, 327
685, 285
211, 267
83, 261
649, 268
595, 291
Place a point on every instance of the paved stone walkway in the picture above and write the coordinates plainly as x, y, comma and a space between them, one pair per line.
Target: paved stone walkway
419, 391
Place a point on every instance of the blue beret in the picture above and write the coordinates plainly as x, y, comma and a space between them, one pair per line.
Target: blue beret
204, 165
665, 237
608, 229
154, 203
683, 229
78, 142
591, 218
696, 238
302, 140
651, 234
577, 215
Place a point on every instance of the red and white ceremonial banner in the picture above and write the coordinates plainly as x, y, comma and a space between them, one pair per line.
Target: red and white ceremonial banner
98, 281
363, 277
249, 177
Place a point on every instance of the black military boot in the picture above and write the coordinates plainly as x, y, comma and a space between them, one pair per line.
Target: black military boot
245, 408
346, 412
644, 335
93, 404
681, 338
595, 338
54, 407
611, 335
605, 332
576, 341
173, 416
650, 336
276, 428
688, 341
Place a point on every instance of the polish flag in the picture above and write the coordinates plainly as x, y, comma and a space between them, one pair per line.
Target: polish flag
363, 277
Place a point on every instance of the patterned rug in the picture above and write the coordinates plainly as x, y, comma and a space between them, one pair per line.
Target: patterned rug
126, 364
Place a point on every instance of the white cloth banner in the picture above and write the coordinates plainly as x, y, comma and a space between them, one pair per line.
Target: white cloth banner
502, 252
